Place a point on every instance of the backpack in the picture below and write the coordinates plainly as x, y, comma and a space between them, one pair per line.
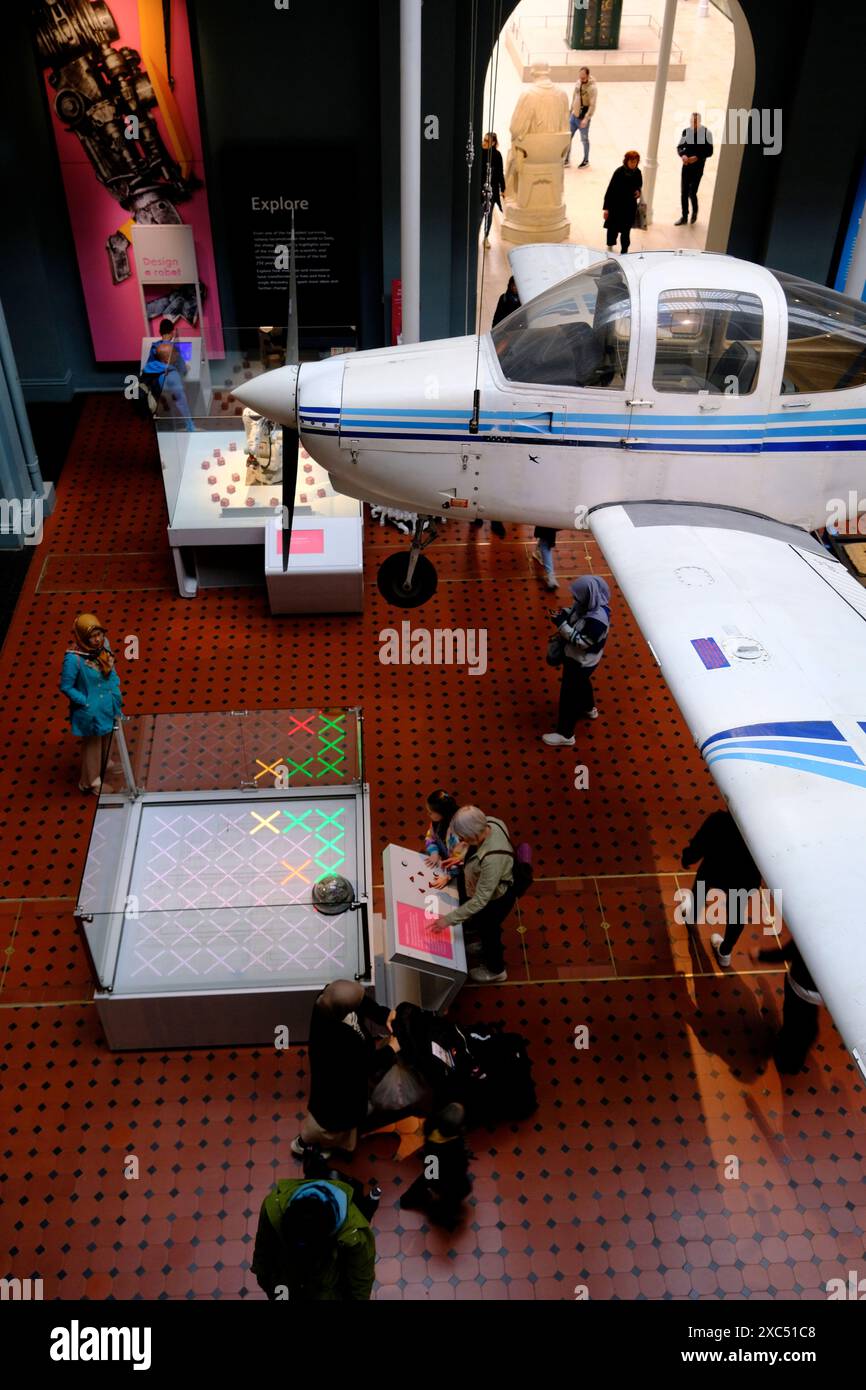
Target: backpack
523, 871
148, 396
433, 1046
499, 1085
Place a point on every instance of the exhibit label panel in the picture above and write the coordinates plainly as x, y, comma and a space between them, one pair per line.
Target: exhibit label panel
121, 90
317, 187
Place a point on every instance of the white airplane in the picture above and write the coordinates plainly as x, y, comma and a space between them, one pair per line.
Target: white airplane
701, 416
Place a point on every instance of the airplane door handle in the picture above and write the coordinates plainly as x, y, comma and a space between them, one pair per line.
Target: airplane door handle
796, 405
639, 402
708, 407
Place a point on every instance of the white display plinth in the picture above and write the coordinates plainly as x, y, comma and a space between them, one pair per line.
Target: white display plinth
438, 957
326, 566
212, 508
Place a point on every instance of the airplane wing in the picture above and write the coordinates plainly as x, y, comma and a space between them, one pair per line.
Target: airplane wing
538, 267
761, 637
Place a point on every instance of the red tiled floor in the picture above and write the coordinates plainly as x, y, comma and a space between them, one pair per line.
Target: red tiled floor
620, 1183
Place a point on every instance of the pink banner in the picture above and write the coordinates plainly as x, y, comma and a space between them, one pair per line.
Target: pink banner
130, 150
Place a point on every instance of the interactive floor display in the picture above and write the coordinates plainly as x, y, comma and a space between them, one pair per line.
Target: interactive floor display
221, 894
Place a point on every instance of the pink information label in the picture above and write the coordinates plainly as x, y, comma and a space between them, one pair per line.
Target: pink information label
303, 543
413, 931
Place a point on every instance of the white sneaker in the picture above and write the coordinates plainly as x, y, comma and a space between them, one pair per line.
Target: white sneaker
551, 583
557, 741
482, 976
591, 713
716, 941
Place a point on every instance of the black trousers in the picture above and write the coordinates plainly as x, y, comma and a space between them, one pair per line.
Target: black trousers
689, 180
487, 924
735, 922
624, 233
575, 696
798, 1032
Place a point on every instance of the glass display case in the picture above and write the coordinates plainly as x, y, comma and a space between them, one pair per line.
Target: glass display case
228, 876
222, 471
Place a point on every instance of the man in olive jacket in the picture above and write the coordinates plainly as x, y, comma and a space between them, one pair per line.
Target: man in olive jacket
313, 1244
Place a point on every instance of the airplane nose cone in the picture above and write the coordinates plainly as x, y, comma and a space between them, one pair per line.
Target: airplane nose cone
273, 394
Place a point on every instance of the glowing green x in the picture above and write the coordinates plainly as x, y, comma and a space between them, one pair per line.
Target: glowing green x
331, 744
330, 844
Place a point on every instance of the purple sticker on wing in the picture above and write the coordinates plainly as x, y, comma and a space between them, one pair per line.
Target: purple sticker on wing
710, 653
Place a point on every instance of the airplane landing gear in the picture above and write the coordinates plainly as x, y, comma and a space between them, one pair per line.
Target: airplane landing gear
407, 581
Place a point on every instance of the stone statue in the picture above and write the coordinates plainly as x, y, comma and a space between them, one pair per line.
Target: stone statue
540, 137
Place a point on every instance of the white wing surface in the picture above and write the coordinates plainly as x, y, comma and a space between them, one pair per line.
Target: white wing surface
761, 637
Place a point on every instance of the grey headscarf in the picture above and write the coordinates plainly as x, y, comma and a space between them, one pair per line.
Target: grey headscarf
592, 598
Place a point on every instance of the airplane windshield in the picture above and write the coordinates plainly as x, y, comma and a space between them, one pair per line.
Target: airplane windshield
575, 334
826, 338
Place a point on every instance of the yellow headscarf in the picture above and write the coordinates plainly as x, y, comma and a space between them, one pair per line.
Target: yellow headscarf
81, 630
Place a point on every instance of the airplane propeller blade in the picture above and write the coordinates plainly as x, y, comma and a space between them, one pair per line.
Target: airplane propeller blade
291, 444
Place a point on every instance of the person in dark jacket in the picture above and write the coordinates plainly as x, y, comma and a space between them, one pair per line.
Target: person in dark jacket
490, 147
313, 1244
584, 629
621, 199
445, 1181
728, 867
694, 149
506, 303
799, 1010
340, 1052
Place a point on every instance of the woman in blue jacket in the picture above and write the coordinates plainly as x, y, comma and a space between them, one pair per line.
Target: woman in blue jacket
90, 683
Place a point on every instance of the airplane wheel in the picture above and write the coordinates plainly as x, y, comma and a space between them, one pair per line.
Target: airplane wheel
392, 576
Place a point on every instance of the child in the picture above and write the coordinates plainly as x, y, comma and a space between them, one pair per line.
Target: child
445, 1181
442, 847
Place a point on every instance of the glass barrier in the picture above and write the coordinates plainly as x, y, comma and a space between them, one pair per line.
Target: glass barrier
245, 946
238, 750
222, 473
220, 470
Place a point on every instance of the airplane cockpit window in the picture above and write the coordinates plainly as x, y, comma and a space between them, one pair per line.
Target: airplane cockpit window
708, 341
826, 338
575, 334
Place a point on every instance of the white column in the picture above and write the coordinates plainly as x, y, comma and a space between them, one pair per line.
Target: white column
410, 167
651, 163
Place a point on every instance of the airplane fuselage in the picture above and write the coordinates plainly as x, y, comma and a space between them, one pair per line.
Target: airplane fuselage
393, 426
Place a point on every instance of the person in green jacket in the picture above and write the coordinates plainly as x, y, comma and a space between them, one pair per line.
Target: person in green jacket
314, 1244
